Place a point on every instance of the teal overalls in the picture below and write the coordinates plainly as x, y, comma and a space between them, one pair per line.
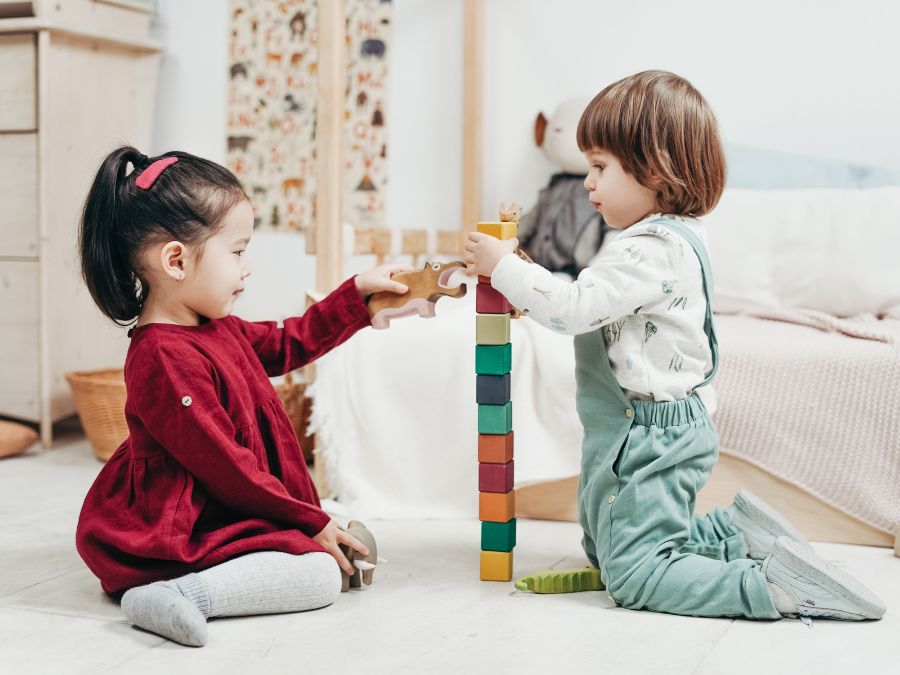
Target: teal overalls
641, 468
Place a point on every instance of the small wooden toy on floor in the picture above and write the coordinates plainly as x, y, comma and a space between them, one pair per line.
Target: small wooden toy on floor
365, 565
425, 287
562, 581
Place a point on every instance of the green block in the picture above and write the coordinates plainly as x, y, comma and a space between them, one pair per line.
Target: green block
493, 359
495, 419
498, 536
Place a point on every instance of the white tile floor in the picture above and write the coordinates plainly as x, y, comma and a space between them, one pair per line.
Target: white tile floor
426, 612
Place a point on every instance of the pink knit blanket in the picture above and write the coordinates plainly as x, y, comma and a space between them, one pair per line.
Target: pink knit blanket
815, 400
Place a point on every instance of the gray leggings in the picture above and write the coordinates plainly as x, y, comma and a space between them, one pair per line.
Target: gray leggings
268, 582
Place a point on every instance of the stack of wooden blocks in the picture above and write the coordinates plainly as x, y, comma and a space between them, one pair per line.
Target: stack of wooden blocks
493, 365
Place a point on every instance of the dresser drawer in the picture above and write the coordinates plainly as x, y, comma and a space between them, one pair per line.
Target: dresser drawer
18, 82
18, 196
19, 357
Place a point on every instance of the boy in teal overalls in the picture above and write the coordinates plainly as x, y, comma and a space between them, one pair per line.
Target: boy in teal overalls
644, 343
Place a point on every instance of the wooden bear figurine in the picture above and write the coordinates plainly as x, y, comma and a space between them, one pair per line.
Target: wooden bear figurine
365, 565
425, 287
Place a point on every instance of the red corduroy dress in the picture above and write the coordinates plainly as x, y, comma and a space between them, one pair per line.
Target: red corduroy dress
211, 468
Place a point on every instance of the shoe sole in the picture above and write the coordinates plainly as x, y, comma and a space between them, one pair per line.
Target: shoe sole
761, 512
562, 581
831, 578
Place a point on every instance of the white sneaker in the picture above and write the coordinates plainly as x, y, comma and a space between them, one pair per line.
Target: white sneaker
816, 587
760, 524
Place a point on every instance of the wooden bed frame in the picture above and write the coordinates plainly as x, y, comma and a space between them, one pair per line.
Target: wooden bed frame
553, 500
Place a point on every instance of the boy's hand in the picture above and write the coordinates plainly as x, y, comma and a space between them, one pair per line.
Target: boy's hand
483, 251
379, 279
331, 536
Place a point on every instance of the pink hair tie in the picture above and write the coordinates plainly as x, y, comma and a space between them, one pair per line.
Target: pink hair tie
149, 175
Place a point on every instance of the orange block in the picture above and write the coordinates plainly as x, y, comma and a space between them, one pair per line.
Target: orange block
495, 448
497, 507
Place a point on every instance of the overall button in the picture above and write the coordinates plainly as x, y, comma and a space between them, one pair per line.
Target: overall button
186, 401
611, 499
628, 412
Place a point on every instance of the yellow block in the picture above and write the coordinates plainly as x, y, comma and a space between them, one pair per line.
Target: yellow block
491, 329
496, 565
500, 230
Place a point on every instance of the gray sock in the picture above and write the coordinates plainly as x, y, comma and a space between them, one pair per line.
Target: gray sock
267, 582
175, 609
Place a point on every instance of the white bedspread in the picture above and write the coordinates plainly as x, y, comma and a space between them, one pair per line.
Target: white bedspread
396, 420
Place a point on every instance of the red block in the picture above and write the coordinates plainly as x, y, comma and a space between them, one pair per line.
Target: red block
489, 300
495, 477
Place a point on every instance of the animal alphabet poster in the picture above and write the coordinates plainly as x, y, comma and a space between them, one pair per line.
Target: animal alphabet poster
272, 109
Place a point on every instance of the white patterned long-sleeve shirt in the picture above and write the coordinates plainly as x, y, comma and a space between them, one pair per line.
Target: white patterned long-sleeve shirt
644, 290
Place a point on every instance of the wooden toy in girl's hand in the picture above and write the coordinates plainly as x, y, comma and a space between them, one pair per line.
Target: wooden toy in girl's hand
425, 287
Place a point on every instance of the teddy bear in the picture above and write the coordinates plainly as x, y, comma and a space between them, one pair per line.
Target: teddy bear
562, 232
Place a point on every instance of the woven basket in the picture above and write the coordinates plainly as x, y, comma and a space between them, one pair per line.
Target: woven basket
298, 407
100, 401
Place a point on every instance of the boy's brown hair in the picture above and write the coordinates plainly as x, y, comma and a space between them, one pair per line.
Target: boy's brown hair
664, 134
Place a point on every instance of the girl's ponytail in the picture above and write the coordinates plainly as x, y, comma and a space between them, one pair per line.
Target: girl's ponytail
105, 266
186, 202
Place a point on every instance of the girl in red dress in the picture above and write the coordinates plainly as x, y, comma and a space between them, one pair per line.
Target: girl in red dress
207, 508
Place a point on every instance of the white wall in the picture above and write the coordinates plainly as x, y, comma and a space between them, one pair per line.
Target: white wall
815, 78
812, 77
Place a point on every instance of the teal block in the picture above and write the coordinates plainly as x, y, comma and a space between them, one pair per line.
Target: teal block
498, 536
493, 359
495, 419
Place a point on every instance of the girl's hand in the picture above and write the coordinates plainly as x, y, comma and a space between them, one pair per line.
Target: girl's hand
332, 535
379, 279
483, 251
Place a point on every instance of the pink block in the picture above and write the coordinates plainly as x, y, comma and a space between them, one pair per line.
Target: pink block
489, 300
495, 477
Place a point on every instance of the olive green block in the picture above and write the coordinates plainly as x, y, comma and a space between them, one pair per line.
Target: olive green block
493, 359
498, 536
492, 329
495, 419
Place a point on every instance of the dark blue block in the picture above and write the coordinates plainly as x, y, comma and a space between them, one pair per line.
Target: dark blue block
492, 389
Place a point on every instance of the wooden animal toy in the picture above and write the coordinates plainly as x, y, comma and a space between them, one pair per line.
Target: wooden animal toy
425, 287
365, 565
510, 212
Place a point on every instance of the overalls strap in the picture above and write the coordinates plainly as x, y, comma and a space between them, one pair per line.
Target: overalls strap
706, 268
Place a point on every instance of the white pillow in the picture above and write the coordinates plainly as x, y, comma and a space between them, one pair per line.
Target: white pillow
835, 251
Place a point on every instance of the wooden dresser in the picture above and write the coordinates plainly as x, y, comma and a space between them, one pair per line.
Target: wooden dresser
77, 78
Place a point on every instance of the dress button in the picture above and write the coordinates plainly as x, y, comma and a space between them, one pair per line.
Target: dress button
628, 412
186, 401
611, 499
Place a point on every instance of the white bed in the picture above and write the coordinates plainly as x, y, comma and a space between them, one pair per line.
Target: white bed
395, 412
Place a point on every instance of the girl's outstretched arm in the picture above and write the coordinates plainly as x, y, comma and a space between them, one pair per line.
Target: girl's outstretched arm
302, 339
